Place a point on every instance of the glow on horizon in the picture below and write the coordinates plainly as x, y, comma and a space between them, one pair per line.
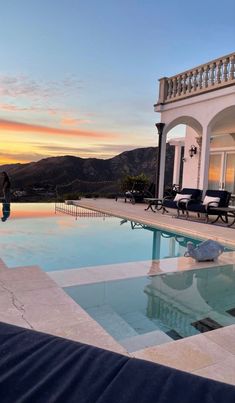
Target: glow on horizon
91, 143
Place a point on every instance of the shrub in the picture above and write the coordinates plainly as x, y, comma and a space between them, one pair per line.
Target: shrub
129, 181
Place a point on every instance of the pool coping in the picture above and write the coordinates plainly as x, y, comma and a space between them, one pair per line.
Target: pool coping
119, 271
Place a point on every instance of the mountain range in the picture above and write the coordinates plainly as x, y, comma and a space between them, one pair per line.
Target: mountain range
60, 171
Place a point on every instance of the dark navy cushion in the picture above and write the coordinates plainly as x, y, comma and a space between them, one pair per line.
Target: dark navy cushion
195, 193
170, 203
196, 207
40, 368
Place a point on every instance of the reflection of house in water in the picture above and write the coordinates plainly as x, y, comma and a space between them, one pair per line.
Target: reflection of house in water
197, 300
176, 244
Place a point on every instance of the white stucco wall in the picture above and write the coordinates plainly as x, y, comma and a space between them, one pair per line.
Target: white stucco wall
205, 115
223, 141
190, 171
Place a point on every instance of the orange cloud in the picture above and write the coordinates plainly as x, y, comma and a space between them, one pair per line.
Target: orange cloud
72, 121
9, 125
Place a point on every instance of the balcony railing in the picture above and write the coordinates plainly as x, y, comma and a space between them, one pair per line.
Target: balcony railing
215, 74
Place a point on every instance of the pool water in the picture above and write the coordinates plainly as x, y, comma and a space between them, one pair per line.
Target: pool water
145, 311
35, 235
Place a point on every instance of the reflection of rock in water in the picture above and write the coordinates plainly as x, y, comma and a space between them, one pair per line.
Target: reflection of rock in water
6, 211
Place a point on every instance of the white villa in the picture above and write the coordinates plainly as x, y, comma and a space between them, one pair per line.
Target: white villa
203, 99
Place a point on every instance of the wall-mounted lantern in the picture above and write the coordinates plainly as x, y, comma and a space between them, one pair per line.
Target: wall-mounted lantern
192, 151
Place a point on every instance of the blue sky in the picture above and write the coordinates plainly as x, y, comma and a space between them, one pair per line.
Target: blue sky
88, 70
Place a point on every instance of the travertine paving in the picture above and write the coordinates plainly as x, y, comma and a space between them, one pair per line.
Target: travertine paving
198, 354
31, 299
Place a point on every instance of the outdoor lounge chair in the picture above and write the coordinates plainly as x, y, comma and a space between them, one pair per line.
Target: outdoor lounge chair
179, 201
139, 192
41, 368
213, 199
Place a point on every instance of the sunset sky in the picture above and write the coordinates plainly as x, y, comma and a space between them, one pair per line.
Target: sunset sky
80, 77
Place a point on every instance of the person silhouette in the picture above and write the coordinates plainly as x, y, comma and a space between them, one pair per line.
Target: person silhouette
6, 187
6, 190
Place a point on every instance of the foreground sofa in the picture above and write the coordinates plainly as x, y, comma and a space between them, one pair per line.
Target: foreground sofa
40, 368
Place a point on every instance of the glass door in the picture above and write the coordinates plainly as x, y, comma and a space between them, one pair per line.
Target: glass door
215, 178
229, 172
222, 172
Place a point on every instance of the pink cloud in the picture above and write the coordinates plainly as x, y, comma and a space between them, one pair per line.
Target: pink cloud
16, 108
27, 127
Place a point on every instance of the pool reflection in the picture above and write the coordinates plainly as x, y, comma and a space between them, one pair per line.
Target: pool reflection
170, 306
6, 211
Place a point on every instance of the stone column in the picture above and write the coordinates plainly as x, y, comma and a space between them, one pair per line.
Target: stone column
199, 142
160, 170
177, 160
205, 154
162, 166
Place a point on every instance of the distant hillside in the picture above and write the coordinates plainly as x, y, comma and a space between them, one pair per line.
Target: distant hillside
54, 171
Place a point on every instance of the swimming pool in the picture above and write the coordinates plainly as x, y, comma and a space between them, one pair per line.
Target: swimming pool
35, 235
145, 311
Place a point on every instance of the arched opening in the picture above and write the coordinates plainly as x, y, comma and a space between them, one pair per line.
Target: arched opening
185, 133
222, 150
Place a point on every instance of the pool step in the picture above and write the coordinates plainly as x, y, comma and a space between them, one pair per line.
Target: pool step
111, 322
142, 341
142, 324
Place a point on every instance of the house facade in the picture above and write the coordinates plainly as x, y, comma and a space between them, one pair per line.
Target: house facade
203, 99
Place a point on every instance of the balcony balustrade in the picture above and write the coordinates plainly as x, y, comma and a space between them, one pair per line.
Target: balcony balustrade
207, 77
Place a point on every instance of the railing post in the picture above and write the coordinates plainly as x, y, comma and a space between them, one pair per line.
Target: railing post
232, 67
225, 69
212, 73
218, 75
163, 90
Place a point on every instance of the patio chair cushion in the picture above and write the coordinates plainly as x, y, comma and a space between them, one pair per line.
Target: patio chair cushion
214, 201
40, 368
224, 196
